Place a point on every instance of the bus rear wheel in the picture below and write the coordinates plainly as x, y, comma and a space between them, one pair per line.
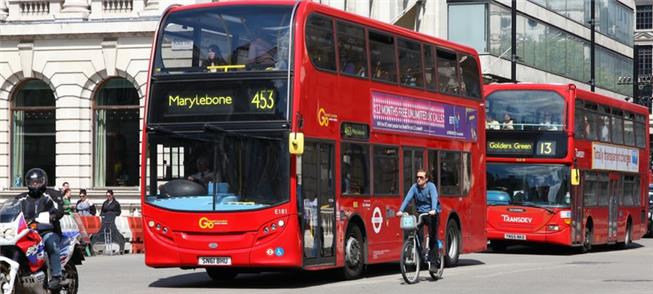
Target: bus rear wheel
628, 239
587, 242
453, 244
221, 274
354, 249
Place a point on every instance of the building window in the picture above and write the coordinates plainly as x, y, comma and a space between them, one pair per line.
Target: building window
116, 134
33, 131
470, 33
645, 61
644, 17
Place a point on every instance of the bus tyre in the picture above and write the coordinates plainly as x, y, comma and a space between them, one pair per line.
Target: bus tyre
354, 249
221, 274
587, 242
453, 244
628, 239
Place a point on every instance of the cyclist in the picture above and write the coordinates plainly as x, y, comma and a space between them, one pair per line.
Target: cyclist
425, 195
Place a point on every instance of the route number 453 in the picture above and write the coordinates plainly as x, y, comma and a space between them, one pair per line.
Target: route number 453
263, 99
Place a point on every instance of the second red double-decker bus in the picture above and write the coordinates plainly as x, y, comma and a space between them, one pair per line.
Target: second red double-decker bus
565, 166
284, 135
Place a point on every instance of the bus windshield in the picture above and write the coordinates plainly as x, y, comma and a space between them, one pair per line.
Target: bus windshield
217, 171
224, 39
540, 185
525, 110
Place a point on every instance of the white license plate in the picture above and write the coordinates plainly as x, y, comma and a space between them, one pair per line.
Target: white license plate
514, 236
214, 260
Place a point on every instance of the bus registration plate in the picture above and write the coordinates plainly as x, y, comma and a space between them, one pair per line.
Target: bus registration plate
510, 236
214, 260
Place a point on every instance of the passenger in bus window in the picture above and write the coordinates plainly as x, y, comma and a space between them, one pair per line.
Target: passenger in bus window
605, 129
213, 59
547, 123
586, 127
491, 123
379, 73
508, 122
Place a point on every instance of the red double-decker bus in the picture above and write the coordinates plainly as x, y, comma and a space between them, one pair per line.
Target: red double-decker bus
565, 166
284, 135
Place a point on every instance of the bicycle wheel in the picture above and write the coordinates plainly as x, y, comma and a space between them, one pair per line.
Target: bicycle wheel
410, 261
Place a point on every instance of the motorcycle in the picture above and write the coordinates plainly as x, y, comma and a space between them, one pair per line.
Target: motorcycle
24, 261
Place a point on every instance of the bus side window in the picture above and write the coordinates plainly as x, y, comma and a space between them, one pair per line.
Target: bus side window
382, 57
470, 85
319, 42
352, 50
410, 63
355, 169
447, 72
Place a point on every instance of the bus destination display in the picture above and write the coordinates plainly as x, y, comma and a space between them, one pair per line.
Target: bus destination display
542, 148
208, 101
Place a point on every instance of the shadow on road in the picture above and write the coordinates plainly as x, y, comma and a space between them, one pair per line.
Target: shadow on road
277, 280
547, 249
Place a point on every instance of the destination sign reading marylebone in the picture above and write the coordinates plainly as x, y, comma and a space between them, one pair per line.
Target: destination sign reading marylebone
419, 116
203, 101
221, 101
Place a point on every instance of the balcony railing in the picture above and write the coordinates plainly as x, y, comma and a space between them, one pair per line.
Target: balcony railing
40, 10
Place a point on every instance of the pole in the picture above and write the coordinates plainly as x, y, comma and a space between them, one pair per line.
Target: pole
592, 45
636, 96
513, 31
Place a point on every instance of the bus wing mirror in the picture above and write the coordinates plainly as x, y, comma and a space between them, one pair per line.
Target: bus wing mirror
296, 143
575, 177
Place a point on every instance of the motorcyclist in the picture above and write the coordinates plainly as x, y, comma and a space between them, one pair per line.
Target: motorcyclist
39, 199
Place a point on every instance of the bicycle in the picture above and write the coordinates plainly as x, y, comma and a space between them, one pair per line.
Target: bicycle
412, 253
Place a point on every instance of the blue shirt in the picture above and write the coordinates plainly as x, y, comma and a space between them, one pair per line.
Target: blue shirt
426, 199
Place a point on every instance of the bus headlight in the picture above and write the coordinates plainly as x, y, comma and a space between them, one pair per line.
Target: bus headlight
553, 228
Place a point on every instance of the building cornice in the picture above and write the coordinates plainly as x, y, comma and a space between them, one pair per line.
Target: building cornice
74, 29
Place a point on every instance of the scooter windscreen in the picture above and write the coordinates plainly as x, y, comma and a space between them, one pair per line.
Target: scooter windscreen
9, 210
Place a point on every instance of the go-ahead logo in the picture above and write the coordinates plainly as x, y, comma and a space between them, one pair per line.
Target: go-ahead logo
206, 223
323, 118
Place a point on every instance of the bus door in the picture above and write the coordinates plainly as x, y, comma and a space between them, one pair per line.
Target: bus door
577, 213
613, 206
318, 196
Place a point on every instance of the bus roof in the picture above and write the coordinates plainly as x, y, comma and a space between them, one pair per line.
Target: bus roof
347, 16
584, 94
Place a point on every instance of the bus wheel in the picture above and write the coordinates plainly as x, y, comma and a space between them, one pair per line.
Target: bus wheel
354, 248
453, 244
221, 274
587, 242
628, 239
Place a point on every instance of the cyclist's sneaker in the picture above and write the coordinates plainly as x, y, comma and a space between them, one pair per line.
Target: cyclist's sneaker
434, 266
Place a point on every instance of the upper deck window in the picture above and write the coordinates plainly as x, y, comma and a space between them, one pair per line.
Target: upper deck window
224, 39
382, 56
526, 110
352, 50
319, 42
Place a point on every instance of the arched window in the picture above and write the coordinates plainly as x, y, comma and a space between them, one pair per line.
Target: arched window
33, 131
116, 134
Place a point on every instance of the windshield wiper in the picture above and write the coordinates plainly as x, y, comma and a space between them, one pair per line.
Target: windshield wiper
218, 130
528, 204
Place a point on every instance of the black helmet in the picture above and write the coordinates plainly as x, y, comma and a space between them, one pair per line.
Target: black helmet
36, 180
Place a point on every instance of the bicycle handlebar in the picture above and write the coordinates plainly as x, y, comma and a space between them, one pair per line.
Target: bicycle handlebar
419, 217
